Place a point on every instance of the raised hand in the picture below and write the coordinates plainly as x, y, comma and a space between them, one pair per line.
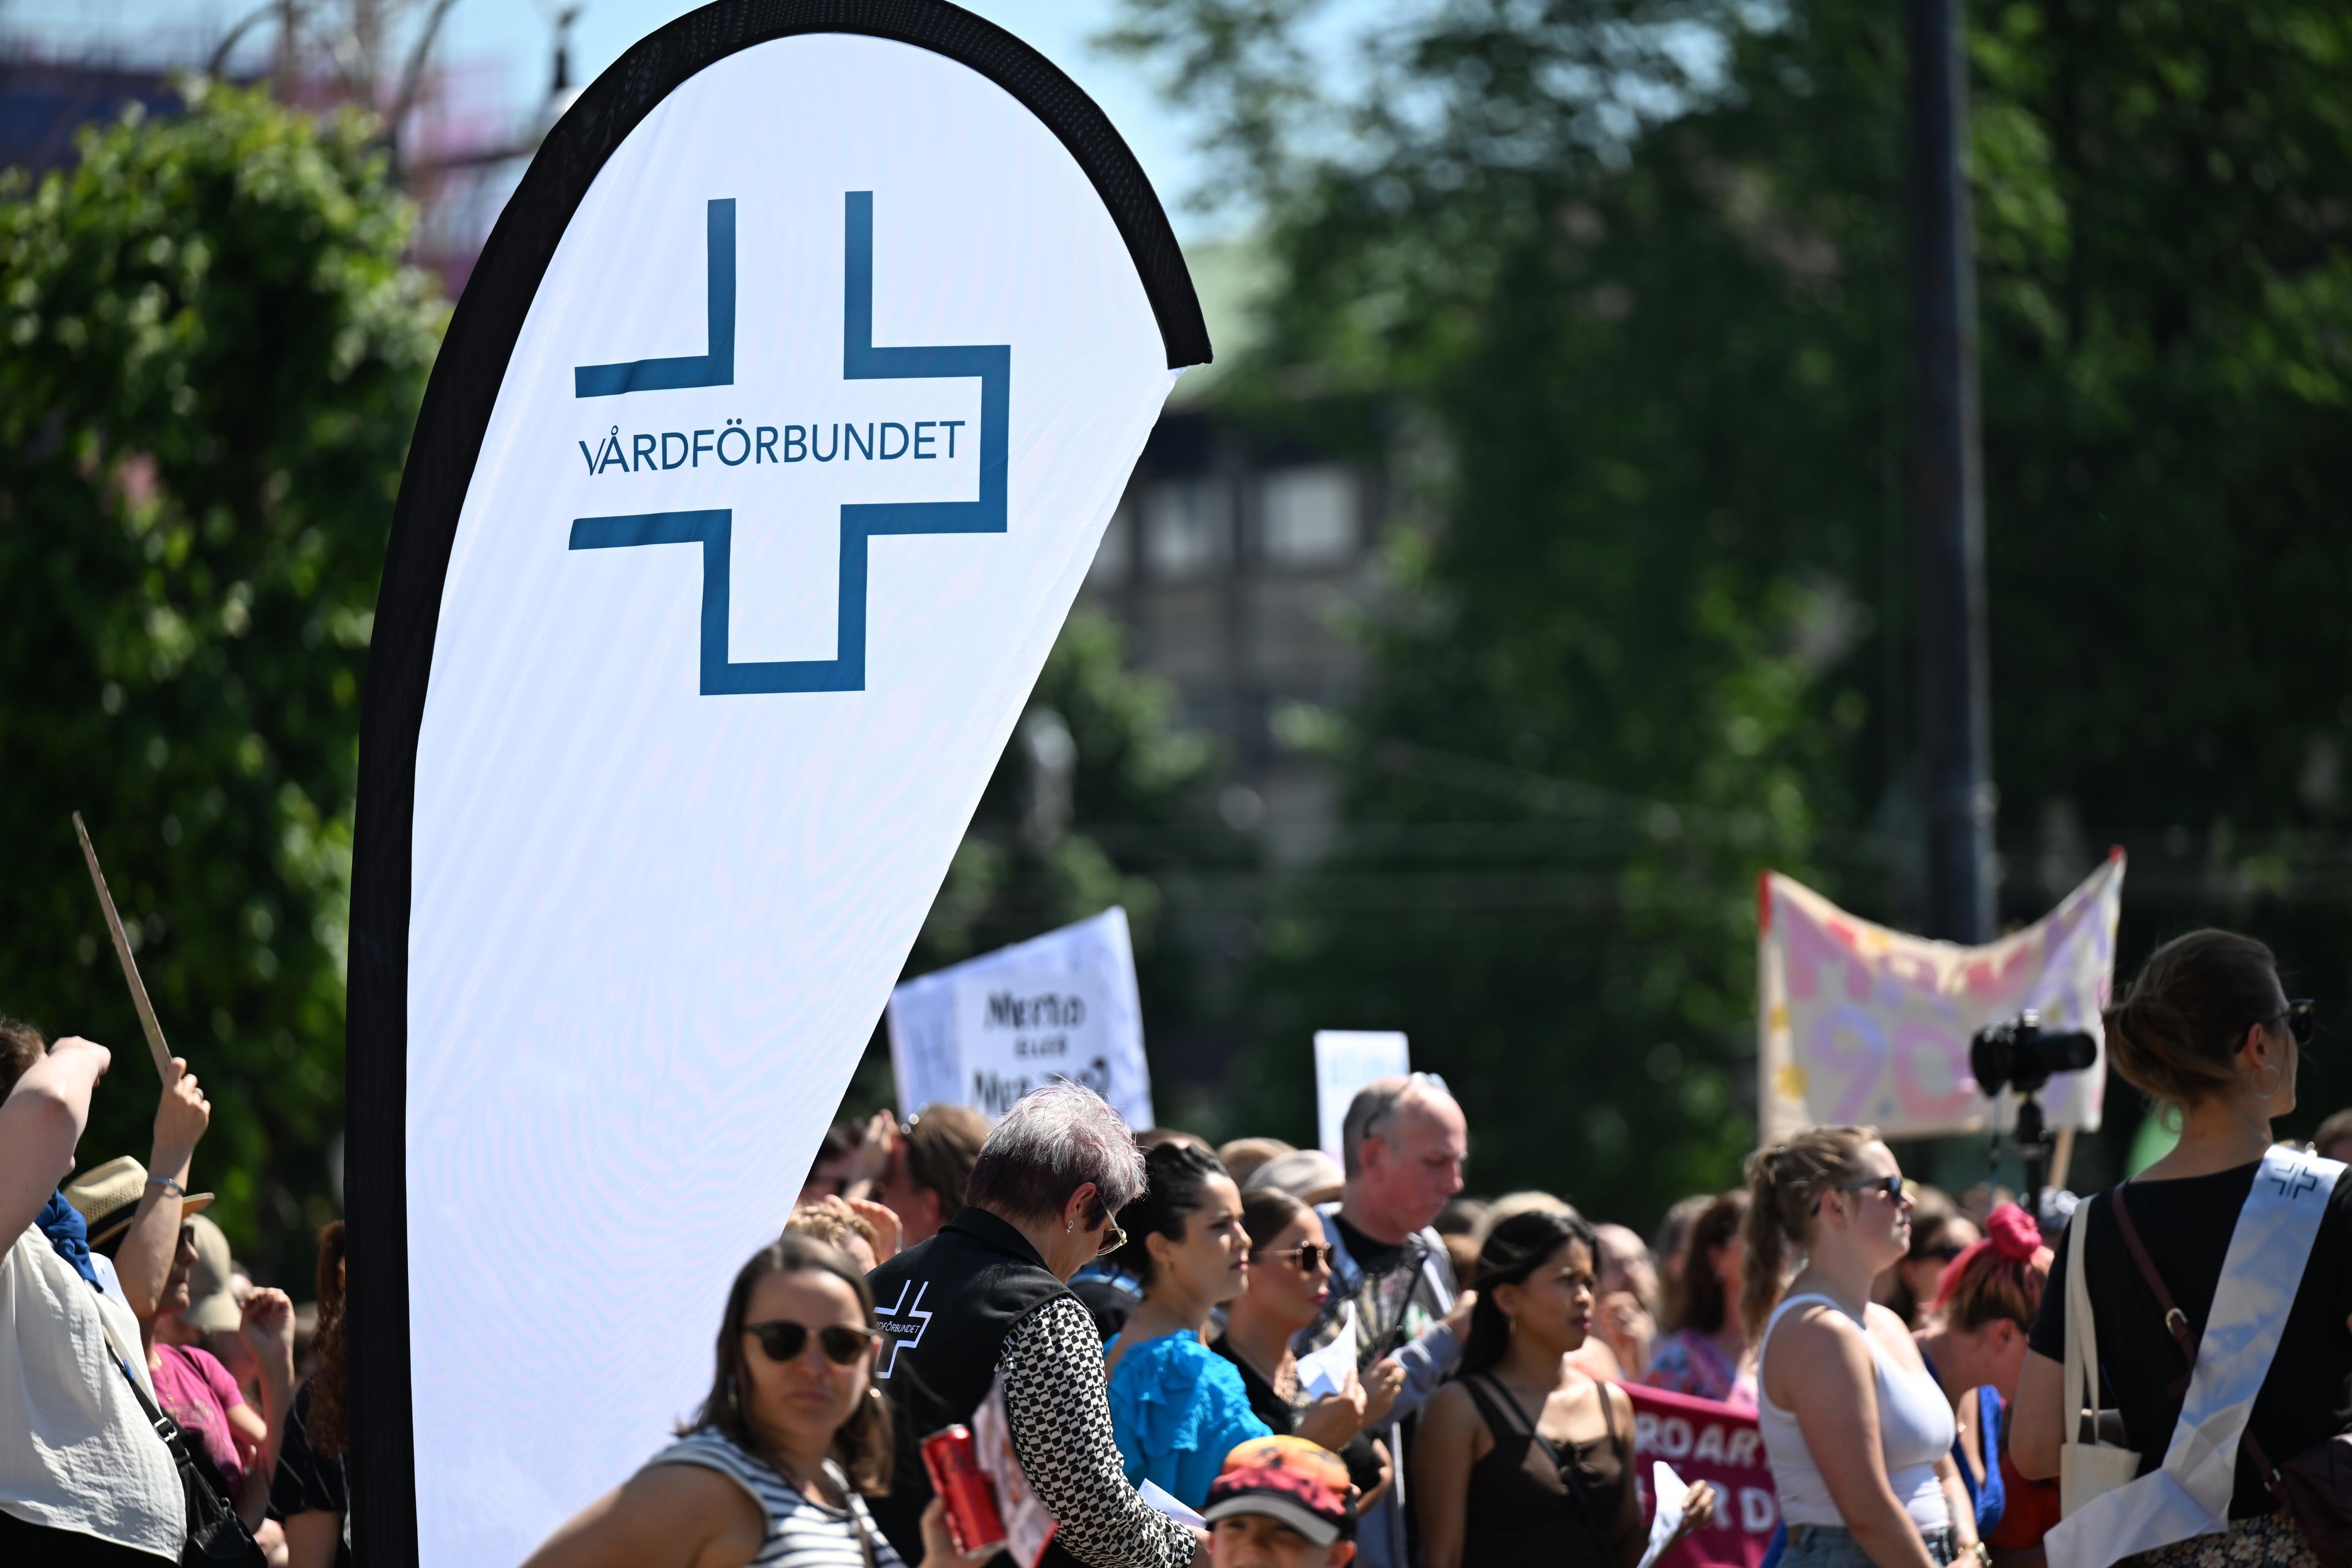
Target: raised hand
1383, 1380
888, 1232
182, 1114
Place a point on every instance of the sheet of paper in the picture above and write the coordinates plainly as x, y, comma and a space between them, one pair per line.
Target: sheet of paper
1670, 1491
1167, 1503
1326, 1370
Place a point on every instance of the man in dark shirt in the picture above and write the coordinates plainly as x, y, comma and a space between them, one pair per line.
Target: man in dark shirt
1403, 1144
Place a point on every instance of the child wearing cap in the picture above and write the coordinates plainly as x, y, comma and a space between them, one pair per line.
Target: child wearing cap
1281, 1503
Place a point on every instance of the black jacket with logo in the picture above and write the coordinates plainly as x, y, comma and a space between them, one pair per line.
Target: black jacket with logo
944, 1307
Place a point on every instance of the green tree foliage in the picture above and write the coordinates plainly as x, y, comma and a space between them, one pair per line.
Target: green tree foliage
1102, 797
213, 358
1631, 270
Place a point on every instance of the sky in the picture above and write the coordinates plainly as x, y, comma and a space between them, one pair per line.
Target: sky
510, 42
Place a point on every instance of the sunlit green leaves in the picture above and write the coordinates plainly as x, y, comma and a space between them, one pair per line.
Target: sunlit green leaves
216, 357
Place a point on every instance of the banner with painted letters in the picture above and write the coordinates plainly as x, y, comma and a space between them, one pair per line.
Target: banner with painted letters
985, 1032
1861, 1024
768, 445
1705, 1440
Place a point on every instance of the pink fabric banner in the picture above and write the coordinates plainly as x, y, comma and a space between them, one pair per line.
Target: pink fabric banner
1706, 1441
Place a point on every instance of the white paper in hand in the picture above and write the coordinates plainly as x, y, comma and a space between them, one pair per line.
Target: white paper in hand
1326, 1370
1670, 1493
1170, 1505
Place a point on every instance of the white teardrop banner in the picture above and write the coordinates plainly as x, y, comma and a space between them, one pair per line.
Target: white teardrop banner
770, 441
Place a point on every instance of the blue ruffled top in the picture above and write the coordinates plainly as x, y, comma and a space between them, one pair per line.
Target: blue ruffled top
1178, 1408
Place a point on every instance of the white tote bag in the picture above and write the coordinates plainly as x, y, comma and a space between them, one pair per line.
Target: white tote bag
2086, 1469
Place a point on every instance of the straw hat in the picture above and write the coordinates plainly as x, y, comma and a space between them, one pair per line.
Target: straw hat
109, 1196
213, 1307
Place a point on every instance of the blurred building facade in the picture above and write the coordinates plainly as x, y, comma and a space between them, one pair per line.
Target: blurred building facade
1237, 564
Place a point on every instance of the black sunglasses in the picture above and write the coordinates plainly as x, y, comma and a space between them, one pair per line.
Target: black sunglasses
1310, 1255
1891, 1186
782, 1341
2301, 1022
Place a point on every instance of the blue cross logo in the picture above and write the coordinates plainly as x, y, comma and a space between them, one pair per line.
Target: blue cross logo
860, 361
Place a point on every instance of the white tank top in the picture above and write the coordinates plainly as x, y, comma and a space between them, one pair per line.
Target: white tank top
1915, 1430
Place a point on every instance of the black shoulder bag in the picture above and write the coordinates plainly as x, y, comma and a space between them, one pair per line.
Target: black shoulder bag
216, 1537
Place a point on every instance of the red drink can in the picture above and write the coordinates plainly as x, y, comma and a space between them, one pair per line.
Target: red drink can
954, 1461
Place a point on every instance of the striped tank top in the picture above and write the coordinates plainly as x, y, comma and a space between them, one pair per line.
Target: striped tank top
801, 1531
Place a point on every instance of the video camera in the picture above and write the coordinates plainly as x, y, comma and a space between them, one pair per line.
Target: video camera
2017, 1055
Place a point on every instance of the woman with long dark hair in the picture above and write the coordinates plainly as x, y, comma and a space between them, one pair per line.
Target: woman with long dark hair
2208, 1032
774, 1466
1177, 1407
310, 1496
1705, 1356
1521, 1459
1939, 1233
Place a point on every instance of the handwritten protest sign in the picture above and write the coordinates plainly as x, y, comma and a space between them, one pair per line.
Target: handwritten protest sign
1706, 1441
1346, 1060
987, 1031
1861, 1023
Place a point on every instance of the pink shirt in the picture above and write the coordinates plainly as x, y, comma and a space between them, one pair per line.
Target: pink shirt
197, 1392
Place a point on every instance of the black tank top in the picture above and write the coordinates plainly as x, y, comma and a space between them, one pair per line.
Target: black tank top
1537, 1503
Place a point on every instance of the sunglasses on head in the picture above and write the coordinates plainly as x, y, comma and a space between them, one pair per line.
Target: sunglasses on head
2300, 1020
1890, 1185
782, 1341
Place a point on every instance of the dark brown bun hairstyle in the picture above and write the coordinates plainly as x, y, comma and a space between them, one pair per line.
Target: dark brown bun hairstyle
2175, 1035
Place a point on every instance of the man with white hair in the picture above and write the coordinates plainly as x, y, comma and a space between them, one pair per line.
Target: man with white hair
985, 1306
1402, 1143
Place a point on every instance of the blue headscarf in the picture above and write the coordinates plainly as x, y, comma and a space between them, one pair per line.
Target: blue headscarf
62, 1224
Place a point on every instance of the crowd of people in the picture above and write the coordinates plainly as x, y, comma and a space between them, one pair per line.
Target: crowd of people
1258, 1355
155, 1402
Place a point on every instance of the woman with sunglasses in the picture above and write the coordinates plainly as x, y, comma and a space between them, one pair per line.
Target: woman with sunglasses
2207, 1031
1939, 1233
771, 1470
1289, 1281
1858, 1431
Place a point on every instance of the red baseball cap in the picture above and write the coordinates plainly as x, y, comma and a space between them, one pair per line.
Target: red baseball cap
1302, 1484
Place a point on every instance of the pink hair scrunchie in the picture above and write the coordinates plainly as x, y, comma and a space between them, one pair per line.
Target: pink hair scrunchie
2009, 1232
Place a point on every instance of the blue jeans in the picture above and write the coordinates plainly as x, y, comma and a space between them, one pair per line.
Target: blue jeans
1834, 1546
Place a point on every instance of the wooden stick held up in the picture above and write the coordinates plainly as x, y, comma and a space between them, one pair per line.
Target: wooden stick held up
122, 951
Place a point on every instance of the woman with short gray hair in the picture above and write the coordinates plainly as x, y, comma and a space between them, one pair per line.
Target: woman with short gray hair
986, 1304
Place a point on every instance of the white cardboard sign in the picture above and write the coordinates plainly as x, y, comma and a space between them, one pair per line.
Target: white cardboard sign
1346, 1060
985, 1032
